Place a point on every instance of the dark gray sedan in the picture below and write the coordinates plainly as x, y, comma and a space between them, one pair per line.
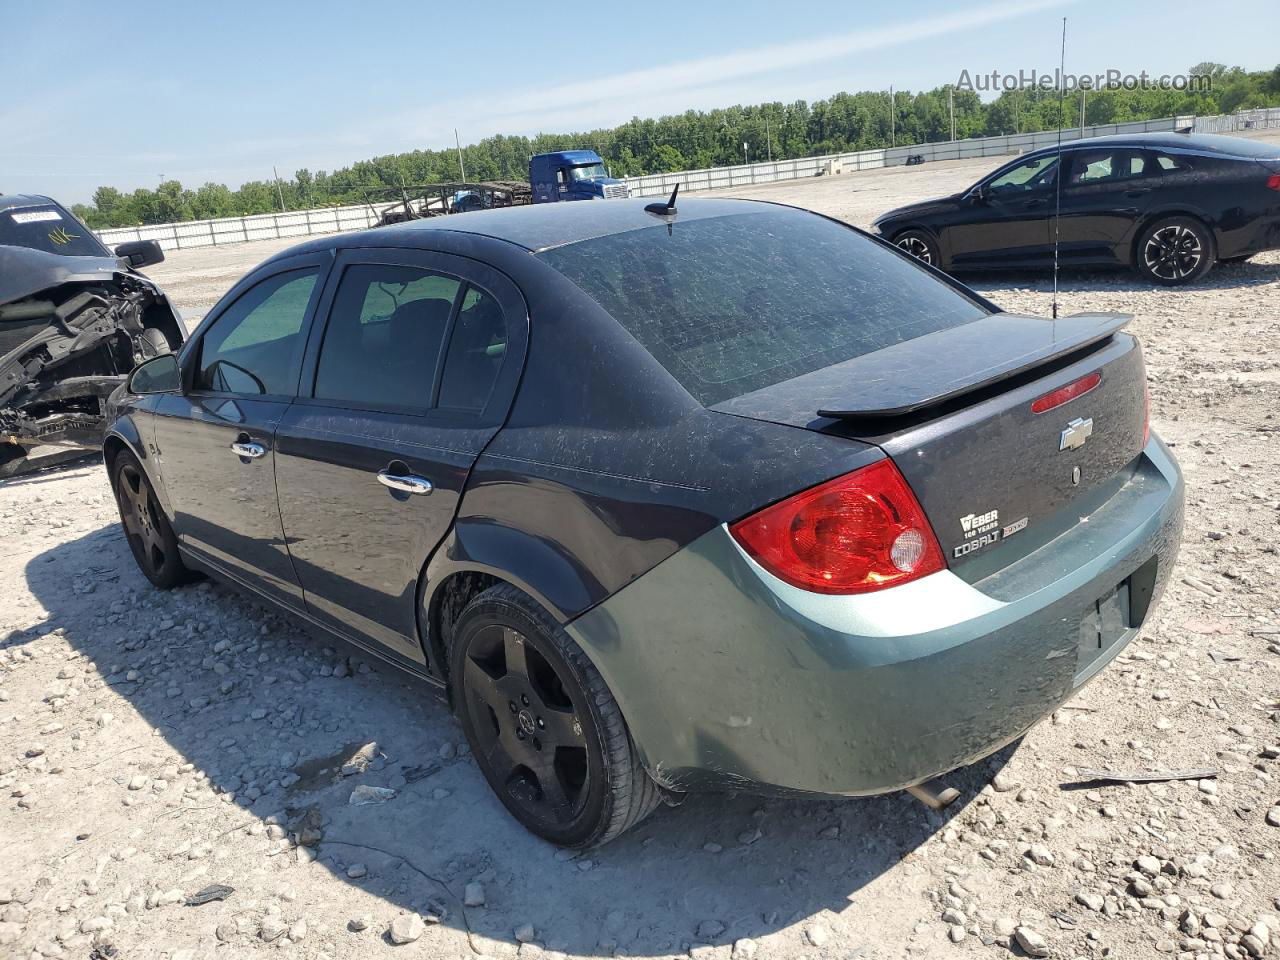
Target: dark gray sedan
729, 495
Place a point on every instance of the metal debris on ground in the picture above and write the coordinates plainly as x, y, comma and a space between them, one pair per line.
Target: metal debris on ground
1143, 776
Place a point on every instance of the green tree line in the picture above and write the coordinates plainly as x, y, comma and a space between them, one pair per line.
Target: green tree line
699, 138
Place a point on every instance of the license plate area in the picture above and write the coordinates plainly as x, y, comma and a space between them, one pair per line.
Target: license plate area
1104, 625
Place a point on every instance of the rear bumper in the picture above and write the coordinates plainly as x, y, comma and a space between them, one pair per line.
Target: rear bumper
729, 677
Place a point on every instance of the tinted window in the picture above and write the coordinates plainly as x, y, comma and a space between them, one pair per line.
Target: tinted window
1107, 166
384, 336
736, 303
256, 345
476, 351
1035, 174
49, 228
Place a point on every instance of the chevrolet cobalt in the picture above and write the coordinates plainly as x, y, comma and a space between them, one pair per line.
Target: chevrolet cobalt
664, 499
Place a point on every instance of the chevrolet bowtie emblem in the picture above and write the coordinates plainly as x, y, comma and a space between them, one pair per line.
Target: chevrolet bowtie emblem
1077, 432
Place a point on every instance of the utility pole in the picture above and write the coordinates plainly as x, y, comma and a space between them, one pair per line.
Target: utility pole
1082, 96
458, 144
744, 153
893, 136
768, 141
279, 191
951, 104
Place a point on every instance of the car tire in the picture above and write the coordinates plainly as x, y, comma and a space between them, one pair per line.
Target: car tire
1174, 251
542, 725
920, 245
146, 528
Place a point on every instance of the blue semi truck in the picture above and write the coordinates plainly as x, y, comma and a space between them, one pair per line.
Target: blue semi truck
553, 178
572, 175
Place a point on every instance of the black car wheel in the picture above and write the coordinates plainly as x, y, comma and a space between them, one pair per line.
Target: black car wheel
1175, 251
919, 244
543, 727
150, 536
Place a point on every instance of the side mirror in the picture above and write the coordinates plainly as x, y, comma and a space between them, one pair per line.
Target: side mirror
980, 193
157, 375
140, 253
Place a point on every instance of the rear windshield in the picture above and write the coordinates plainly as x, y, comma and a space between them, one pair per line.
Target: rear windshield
49, 228
736, 303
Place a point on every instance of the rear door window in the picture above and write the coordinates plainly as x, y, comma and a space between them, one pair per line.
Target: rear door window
736, 303
476, 351
387, 327
255, 347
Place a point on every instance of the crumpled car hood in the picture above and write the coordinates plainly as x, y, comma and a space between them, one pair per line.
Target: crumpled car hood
24, 272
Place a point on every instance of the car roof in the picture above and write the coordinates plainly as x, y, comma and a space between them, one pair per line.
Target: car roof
574, 156
10, 201
1199, 142
535, 227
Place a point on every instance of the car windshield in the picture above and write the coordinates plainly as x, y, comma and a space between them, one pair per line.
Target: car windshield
49, 228
588, 171
736, 303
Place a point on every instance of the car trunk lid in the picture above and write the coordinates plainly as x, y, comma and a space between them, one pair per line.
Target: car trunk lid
954, 411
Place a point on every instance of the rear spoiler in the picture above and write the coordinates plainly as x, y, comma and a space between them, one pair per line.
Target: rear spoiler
927, 371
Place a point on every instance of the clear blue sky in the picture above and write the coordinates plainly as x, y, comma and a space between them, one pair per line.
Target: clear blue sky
118, 94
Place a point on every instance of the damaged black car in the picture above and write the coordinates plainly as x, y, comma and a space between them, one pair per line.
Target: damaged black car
75, 318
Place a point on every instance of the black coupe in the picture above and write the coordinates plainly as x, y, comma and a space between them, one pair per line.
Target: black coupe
1169, 205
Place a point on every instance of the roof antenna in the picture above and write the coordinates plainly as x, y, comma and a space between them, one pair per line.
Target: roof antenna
667, 211
1057, 180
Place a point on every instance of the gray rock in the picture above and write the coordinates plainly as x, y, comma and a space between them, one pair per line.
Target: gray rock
406, 928
708, 930
524, 933
1093, 901
1040, 854
473, 895
817, 935
956, 933
1148, 865
272, 928
1032, 943
1273, 817
357, 870
1004, 927
357, 924
1002, 782
744, 949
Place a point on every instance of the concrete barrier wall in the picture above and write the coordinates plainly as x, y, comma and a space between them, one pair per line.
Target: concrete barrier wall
305, 223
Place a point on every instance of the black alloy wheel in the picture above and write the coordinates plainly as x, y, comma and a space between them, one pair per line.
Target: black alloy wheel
1175, 251
146, 528
542, 726
919, 244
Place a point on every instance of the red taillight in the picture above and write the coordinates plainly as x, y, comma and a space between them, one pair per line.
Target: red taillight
1273, 181
1056, 398
863, 531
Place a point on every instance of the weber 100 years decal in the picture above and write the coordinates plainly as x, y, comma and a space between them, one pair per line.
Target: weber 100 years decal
982, 530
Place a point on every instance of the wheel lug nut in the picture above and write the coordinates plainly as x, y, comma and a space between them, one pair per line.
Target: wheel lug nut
524, 699
541, 724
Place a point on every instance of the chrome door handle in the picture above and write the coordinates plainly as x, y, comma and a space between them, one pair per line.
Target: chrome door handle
251, 450
405, 483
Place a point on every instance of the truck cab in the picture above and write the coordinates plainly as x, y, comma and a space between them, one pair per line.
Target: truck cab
572, 175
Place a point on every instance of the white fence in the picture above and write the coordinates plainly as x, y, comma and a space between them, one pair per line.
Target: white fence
263, 226
1242, 122
724, 178
303, 223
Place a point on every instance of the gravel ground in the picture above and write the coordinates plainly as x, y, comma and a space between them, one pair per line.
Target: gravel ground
155, 745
